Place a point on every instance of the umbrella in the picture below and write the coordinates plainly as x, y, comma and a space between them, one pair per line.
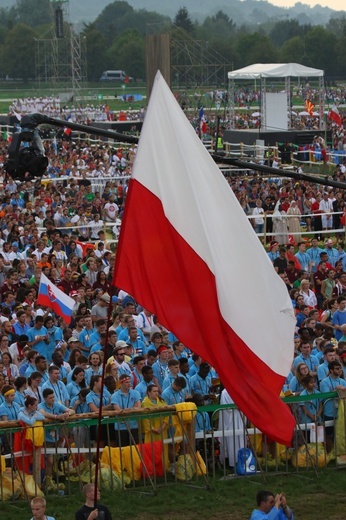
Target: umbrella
256, 114
304, 113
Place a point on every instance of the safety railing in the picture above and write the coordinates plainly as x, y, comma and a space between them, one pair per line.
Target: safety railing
162, 446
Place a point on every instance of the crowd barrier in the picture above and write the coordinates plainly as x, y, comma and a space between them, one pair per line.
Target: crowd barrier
179, 443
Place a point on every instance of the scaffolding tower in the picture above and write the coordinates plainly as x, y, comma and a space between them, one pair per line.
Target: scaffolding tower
60, 55
193, 62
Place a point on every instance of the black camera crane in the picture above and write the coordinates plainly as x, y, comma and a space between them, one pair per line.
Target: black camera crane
26, 159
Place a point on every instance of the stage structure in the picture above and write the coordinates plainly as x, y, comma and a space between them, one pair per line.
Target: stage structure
275, 107
61, 54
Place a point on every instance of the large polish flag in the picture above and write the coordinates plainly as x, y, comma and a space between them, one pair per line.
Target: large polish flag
188, 253
51, 296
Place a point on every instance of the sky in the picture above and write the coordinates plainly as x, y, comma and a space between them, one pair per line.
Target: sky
338, 5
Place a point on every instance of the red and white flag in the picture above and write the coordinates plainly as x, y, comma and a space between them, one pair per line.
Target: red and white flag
188, 253
334, 115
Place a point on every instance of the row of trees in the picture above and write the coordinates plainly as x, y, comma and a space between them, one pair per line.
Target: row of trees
116, 39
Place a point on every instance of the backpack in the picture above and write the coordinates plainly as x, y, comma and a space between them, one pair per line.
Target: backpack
246, 462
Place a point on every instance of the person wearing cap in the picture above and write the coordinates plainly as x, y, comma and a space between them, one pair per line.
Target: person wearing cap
332, 252
123, 399
273, 250
100, 309
119, 358
9, 409
160, 367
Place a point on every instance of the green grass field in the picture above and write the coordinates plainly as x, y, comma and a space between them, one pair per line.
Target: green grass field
98, 92
311, 498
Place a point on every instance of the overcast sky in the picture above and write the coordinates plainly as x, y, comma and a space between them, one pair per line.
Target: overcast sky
333, 4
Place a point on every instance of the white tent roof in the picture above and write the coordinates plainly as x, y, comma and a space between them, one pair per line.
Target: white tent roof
275, 70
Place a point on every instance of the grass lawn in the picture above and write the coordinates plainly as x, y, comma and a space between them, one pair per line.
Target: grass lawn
311, 498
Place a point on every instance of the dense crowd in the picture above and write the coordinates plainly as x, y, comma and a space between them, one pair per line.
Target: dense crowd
59, 226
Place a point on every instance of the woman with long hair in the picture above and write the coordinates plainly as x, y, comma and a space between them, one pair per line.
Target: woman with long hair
10, 370
296, 385
101, 282
112, 370
29, 414
74, 354
20, 385
77, 382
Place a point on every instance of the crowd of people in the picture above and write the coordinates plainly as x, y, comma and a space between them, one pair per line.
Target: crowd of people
59, 226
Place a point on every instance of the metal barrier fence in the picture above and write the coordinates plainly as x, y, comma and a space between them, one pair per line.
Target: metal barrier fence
161, 446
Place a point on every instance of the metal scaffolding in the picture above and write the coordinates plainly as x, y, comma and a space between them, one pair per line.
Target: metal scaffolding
61, 55
193, 62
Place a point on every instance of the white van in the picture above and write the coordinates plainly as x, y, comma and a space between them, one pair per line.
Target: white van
114, 75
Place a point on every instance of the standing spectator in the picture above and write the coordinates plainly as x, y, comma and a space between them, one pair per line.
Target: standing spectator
294, 216
91, 510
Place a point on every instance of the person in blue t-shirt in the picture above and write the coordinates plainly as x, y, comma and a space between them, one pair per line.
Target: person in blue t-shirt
123, 399
52, 409
271, 507
333, 382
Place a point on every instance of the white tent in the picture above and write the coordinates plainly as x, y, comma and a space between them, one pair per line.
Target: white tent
275, 106
275, 70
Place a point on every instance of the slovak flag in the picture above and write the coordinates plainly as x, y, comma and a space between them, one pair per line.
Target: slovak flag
51, 296
201, 269
334, 115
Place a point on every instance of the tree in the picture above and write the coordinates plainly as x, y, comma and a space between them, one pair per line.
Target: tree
285, 30
256, 48
33, 12
96, 52
182, 19
128, 53
18, 52
320, 47
292, 50
109, 22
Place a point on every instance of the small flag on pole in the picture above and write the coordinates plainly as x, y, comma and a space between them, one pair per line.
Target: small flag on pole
334, 115
309, 107
51, 296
